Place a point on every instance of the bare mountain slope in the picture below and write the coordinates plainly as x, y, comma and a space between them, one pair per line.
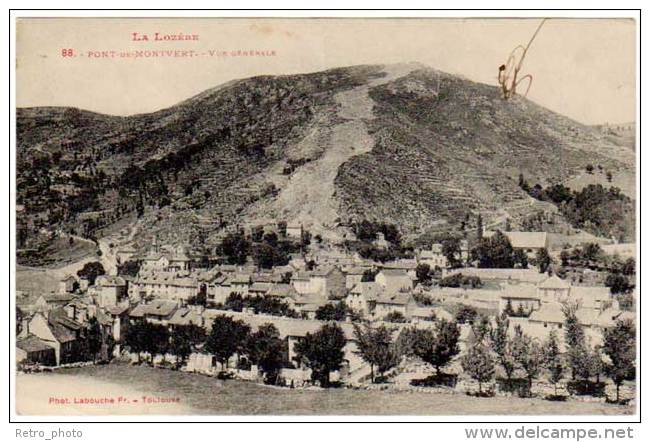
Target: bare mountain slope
402, 143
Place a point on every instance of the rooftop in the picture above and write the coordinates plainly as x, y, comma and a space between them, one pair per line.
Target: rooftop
524, 240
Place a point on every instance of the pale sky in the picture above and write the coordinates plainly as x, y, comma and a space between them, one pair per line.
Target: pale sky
583, 68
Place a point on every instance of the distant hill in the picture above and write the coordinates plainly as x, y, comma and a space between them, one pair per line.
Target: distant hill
405, 144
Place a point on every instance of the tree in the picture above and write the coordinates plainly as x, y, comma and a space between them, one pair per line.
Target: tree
618, 283
478, 363
481, 329
528, 354
583, 361
494, 252
629, 267
269, 253
574, 338
376, 348
423, 273
282, 228
236, 248
439, 347
184, 340
90, 271
451, 250
479, 227
201, 298
94, 339
406, 341
620, 347
266, 350
322, 352
369, 275
520, 258
553, 360
227, 336
460, 280
502, 345
157, 342
129, 268
466, 314
135, 338
543, 260
589, 168
396, 317
332, 312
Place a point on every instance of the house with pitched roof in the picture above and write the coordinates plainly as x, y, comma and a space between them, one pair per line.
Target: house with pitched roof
394, 280
307, 304
433, 257
407, 265
353, 275
154, 261
520, 297
179, 261
326, 281
389, 303
177, 286
282, 291
125, 253
67, 284
550, 317
50, 301
116, 320
187, 316
32, 349
259, 288
363, 296
61, 333
158, 311
109, 290
554, 289
240, 283
528, 242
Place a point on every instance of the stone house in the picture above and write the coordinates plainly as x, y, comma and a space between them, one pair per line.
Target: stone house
394, 280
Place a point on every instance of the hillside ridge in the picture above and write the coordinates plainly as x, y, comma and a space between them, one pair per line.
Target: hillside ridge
404, 143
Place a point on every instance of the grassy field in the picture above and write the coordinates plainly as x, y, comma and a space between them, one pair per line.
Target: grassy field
36, 280
208, 396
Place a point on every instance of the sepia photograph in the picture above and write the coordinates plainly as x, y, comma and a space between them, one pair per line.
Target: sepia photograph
336, 216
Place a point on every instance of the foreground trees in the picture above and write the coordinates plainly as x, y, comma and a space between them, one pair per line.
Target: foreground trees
90, 271
553, 360
227, 337
376, 348
322, 352
184, 340
528, 354
145, 337
440, 346
494, 252
478, 363
620, 347
266, 350
502, 345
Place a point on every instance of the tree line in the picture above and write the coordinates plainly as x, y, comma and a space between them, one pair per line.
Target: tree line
491, 345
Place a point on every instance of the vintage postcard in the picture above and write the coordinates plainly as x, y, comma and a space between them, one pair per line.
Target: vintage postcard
333, 216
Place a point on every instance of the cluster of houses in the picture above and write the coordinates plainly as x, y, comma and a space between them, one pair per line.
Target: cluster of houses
167, 286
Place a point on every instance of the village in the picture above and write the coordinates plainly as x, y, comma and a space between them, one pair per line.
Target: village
493, 313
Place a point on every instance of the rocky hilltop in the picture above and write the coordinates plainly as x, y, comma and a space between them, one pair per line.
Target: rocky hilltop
405, 144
